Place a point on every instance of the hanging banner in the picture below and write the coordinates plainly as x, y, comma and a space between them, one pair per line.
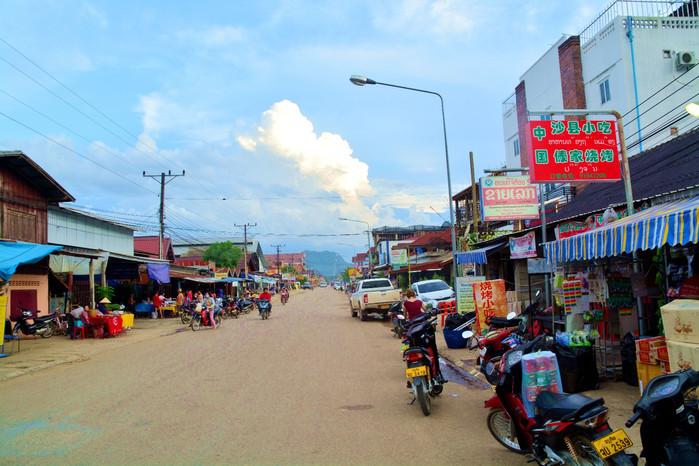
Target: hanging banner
464, 292
399, 257
565, 151
491, 300
508, 198
523, 247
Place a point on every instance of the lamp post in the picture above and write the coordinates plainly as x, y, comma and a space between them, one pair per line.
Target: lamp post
368, 241
354, 250
361, 81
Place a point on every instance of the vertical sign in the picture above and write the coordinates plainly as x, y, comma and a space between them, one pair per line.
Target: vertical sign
464, 291
491, 301
564, 151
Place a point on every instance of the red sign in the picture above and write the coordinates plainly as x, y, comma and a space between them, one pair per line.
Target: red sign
565, 151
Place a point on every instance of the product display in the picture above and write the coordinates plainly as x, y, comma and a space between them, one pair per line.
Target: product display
540, 373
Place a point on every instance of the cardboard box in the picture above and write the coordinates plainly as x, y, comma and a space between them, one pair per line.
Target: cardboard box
646, 373
683, 355
665, 367
650, 343
661, 354
647, 357
681, 320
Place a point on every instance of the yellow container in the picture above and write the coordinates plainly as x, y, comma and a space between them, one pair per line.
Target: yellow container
127, 320
92, 313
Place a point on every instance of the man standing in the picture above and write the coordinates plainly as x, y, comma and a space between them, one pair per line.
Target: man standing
157, 303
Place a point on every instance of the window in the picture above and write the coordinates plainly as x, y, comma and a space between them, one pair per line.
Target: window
516, 144
604, 91
545, 117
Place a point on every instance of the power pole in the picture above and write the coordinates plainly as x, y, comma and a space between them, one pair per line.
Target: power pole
245, 244
279, 264
162, 204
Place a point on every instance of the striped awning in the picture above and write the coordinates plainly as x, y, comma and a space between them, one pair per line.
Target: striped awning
672, 223
477, 256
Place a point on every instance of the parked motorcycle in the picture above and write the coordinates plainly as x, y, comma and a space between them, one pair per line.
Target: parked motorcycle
200, 318
420, 355
60, 322
567, 429
399, 323
244, 305
43, 325
265, 308
228, 308
187, 312
669, 431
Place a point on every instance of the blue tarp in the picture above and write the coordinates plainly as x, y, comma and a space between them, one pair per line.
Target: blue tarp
159, 272
476, 256
13, 255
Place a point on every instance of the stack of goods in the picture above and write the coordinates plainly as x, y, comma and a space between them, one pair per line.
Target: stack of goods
647, 361
539, 373
681, 324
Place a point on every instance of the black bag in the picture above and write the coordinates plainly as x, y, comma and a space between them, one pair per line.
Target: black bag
453, 321
628, 359
578, 368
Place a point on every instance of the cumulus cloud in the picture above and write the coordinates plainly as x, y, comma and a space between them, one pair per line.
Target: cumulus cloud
326, 158
442, 18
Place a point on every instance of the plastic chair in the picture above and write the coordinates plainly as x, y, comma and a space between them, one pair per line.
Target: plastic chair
77, 330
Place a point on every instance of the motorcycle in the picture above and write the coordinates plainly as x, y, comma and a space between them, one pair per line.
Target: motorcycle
227, 307
284, 296
420, 355
244, 305
669, 431
187, 312
568, 429
200, 317
44, 325
265, 308
491, 349
399, 323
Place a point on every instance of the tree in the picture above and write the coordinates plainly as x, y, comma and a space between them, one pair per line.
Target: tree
223, 254
288, 269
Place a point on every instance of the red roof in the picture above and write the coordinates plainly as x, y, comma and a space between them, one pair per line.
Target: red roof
432, 237
149, 245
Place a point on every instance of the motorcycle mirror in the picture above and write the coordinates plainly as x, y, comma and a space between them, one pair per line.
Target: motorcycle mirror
400, 317
511, 315
467, 334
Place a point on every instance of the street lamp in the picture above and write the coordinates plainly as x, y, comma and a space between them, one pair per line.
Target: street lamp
361, 81
368, 241
354, 250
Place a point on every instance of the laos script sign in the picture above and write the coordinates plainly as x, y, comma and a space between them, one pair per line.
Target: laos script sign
508, 198
565, 151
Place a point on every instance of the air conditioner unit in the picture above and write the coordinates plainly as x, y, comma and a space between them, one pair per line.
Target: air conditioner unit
685, 60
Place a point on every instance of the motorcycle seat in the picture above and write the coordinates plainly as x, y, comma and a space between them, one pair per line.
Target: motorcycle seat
561, 406
47, 318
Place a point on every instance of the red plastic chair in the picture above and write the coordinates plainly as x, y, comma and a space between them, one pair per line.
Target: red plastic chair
76, 330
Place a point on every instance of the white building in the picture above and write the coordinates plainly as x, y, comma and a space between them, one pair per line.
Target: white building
637, 57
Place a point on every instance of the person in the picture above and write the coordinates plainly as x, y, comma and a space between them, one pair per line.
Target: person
157, 303
209, 303
265, 295
189, 297
412, 307
179, 301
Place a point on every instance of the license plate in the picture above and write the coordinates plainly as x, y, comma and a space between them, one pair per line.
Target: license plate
384, 306
612, 444
416, 371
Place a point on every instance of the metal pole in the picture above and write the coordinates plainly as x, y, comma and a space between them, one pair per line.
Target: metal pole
162, 205
371, 257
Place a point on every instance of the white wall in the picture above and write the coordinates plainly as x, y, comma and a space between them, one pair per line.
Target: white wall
72, 229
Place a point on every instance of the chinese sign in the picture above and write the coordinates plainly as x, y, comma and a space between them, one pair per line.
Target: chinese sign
508, 198
564, 151
568, 229
523, 246
491, 300
464, 291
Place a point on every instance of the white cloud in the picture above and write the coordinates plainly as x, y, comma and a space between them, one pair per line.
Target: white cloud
438, 19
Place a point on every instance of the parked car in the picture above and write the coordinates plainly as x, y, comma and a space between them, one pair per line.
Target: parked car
433, 292
307, 286
323, 284
374, 295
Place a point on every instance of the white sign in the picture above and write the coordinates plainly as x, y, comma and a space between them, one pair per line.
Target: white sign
399, 257
508, 198
523, 246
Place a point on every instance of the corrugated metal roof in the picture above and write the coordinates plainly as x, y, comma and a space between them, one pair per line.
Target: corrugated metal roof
664, 169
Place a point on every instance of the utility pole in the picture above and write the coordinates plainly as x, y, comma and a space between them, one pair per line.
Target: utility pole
245, 244
279, 264
162, 204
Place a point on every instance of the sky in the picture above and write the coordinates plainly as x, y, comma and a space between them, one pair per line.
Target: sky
252, 100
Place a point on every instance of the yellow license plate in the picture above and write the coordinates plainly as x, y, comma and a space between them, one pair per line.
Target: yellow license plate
416, 371
612, 444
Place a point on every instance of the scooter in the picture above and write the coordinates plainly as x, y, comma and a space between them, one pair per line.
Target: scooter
44, 325
669, 431
399, 323
244, 305
265, 308
420, 355
284, 296
200, 317
567, 429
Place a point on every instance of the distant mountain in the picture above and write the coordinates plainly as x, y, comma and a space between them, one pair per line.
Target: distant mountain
326, 263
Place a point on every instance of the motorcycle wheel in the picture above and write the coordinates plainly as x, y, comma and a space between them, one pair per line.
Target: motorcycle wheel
49, 331
587, 455
503, 430
423, 396
185, 317
218, 320
224, 315
56, 329
195, 324
15, 331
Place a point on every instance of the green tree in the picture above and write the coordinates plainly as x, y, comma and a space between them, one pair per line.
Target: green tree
223, 254
288, 269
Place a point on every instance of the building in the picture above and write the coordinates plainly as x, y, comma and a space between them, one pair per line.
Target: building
638, 58
190, 252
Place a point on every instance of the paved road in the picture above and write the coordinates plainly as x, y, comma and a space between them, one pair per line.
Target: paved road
310, 385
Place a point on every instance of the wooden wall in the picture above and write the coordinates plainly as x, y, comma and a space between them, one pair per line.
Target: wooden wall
23, 215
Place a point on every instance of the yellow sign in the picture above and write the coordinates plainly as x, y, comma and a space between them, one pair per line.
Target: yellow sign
220, 275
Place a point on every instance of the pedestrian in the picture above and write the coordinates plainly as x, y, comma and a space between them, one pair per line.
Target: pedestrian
179, 301
209, 303
412, 307
157, 305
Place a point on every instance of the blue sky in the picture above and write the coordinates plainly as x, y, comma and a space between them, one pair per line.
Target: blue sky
253, 101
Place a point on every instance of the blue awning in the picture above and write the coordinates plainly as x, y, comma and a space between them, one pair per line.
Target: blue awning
13, 255
672, 223
477, 256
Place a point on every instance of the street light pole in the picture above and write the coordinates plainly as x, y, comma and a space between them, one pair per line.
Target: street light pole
368, 241
361, 81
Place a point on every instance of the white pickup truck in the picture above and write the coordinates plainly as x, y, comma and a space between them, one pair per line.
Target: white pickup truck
374, 295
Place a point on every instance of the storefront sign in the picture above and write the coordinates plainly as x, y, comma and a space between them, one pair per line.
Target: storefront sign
568, 229
523, 246
464, 292
399, 257
564, 151
508, 198
491, 300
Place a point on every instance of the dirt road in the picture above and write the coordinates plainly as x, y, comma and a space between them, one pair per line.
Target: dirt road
309, 385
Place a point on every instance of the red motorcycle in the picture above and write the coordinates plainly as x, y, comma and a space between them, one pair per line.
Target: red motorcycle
200, 318
567, 429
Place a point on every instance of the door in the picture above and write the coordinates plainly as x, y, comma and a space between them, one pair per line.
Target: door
24, 298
